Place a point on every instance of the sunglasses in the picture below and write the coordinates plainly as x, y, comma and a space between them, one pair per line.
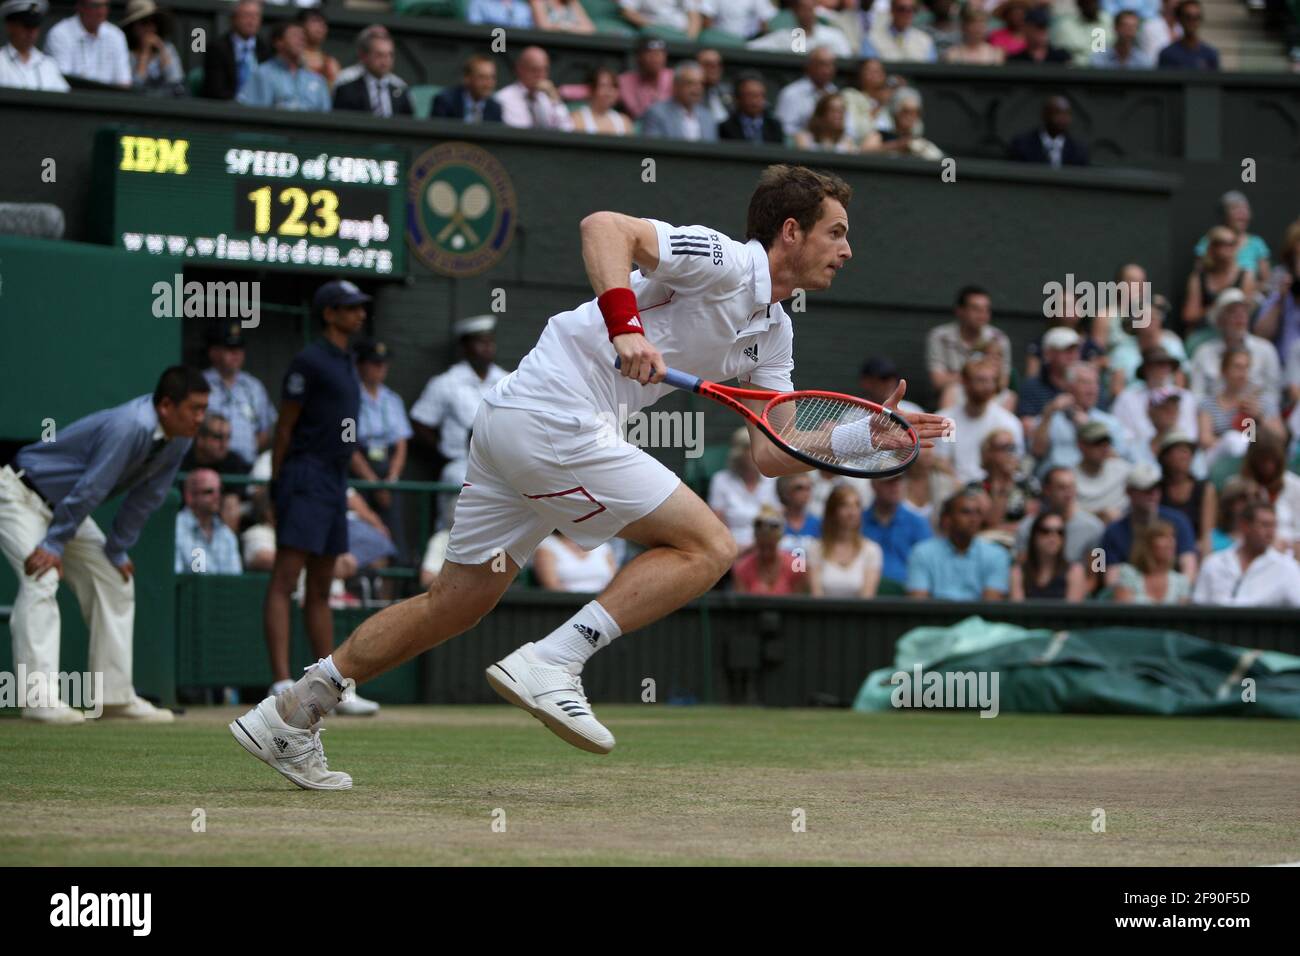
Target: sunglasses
1053, 531
1007, 447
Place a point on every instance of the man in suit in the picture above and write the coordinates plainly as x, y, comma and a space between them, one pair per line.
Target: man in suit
233, 58
1051, 143
685, 115
750, 120
375, 91
472, 100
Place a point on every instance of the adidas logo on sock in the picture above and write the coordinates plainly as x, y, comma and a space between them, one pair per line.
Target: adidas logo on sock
590, 633
281, 744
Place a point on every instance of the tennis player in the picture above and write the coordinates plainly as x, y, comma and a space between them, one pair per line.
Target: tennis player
541, 458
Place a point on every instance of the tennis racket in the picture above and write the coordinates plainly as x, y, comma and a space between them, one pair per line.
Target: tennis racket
838, 433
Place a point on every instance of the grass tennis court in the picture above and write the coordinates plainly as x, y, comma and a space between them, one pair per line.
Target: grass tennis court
685, 786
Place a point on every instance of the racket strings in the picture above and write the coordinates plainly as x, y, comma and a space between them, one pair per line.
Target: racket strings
843, 433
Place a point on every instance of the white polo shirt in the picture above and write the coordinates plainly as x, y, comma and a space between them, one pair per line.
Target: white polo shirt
100, 56
705, 308
449, 403
37, 72
1271, 580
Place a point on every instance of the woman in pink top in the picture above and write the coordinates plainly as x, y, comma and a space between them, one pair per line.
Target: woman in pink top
1011, 38
765, 568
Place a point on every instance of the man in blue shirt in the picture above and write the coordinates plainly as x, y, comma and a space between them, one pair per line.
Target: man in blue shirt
315, 437
1144, 508
236, 396
204, 544
1188, 52
46, 499
282, 82
894, 526
959, 566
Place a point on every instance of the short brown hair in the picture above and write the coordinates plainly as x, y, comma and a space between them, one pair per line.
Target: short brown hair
476, 60
791, 192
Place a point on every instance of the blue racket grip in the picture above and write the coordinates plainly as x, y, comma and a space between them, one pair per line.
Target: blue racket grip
674, 378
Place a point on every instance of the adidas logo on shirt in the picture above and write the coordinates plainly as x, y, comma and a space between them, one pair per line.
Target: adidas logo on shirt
752, 352
590, 633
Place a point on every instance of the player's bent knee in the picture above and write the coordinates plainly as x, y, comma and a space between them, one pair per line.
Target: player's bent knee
722, 550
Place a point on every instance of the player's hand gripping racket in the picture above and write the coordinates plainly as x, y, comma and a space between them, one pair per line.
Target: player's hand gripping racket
839, 433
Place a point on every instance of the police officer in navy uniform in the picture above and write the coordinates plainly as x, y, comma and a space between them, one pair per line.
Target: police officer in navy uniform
315, 437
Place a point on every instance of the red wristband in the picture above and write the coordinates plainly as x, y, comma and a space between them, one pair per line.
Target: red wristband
618, 306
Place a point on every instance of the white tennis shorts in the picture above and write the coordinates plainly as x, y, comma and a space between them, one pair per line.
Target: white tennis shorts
532, 472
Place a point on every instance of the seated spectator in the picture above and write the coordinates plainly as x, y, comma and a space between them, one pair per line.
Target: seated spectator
204, 545
1055, 441
1051, 143
950, 346
1041, 571
651, 82
844, 563
1160, 30
905, 138
892, 523
1083, 530
768, 568
230, 61
895, 38
1060, 349
800, 526
155, 64
1231, 316
383, 436
739, 19
599, 115
471, 100
1123, 53
1237, 493
1215, 274
719, 96
751, 120
315, 30
684, 116
211, 449
824, 482
815, 35
532, 101
1188, 52
973, 420
1162, 412
1224, 416
282, 82
1251, 572
501, 13
673, 16
1130, 407
1252, 252
827, 130
561, 16
1279, 315
88, 47
357, 70
1013, 492
1136, 336
796, 102
1181, 490
1010, 37
1101, 475
1089, 350
1265, 464
1144, 509
376, 91
561, 564
868, 103
927, 485
739, 491
22, 65
974, 49
1038, 47
957, 565
1149, 576
944, 27
1077, 31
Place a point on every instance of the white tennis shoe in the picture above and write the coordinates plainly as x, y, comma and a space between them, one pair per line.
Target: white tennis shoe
293, 752
554, 696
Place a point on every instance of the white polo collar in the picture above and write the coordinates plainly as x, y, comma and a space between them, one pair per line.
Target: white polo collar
761, 317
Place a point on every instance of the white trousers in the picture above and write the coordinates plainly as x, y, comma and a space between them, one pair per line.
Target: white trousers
107, 602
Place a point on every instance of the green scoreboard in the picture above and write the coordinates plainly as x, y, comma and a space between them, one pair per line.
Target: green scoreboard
261, 202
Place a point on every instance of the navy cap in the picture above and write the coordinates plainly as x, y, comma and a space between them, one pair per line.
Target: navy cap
1038, 17
372, 350
879, 366
226, 332
340, 292
28, 12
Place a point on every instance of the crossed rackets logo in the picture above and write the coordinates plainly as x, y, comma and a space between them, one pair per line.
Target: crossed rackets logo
460, 210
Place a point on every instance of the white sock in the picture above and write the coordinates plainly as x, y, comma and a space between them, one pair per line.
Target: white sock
574, 641
313, 696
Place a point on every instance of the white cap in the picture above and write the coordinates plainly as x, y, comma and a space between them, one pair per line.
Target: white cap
474, 325
1226, 298
1060, 338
